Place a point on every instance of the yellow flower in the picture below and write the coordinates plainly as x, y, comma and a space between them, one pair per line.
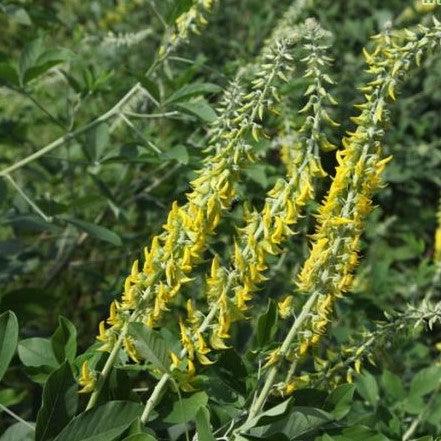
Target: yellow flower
285, 307
87, 378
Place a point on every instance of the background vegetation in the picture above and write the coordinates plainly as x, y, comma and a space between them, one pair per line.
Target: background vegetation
73, 220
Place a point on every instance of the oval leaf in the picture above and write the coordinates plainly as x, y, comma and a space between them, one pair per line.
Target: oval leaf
8, 339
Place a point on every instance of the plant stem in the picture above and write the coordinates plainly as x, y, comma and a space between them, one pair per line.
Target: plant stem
271, 376
156, 394
19, 190
16, 417
154, 397
106, 369
417, 421
71, 135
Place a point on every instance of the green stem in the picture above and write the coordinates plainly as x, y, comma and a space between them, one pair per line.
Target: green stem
71, 135
106, 369
271, 376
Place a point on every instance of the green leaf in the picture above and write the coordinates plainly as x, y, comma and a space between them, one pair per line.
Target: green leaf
8, 339
18, 432
96, 231
140, 437
267, 325
29, 57
257, 173
199, 108
36, 352
151, 345
203, 426
426, 381
186, 409
59, 404
360, 433
190, 90
64, 340
179, 153
17, 13
103, 423
339, 401
97, 142
34, 60
271, 415
179, 7
367, 387
8, 74
12, 396
297, 422
393, 385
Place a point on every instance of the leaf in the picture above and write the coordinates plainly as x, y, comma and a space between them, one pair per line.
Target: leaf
267, 325
426, 381
36, 352
179, 153
141, 437
203, 425
96, 231
64, 340
359, 433
199, 108
34, 60
103, 423
29, 57
190, 90
18, 432
8, 74
367, 387
97, 142
295, 424
271, 415
185, 409
393, 385
179, 8
17, 13
8, 339
339, 401
257, 173
150, 345
59, 403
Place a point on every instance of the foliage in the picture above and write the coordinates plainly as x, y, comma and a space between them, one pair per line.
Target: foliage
225, 251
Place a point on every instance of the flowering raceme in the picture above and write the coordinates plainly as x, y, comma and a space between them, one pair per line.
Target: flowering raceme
328, 272
188, 22
150, 288
230, 289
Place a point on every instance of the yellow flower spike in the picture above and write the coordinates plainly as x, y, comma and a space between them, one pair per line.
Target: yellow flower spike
87, 379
